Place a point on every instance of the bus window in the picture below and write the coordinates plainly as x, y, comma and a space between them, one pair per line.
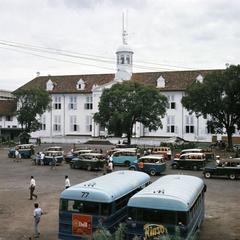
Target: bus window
63, 205
152, 215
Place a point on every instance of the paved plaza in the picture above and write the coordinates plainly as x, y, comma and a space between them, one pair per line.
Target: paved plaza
222, 215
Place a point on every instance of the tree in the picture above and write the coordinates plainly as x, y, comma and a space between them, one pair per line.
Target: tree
127, 103
31, 102
218, 96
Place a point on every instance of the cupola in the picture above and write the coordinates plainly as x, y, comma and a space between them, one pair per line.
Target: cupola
124, 58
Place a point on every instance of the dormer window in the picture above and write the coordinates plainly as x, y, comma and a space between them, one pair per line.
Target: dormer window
94, 86
49, 85
199, 78
80, 85
161, 82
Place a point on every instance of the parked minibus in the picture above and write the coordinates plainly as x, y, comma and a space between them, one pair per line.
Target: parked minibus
151, 164
223, 168
195, 161
89, 161
208, 154
99, 202
166, 151
124, 157
25, 150
69, 156
172, 203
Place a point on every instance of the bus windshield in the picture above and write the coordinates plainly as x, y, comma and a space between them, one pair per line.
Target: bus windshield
86, 207
149, 215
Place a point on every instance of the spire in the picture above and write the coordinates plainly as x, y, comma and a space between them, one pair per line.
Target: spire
124, 31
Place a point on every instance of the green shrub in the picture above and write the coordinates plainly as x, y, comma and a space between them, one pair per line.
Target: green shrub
103, 234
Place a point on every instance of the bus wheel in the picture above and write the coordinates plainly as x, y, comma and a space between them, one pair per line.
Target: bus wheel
152, 172
127, 163
232, 176
195, 167
207, 174
89, 168
174, 166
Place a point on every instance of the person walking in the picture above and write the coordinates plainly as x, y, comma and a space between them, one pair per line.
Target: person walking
16, 153
32, 188
110, 166
37, 213
42, 156
54, 162
67, 182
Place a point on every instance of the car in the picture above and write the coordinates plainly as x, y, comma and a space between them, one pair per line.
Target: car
151, 164
194, 161
25, 150
49, 155
69, 156
225, 167
89, 161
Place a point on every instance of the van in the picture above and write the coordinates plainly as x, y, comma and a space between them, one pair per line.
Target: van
166, 151
25, 150
88, 161
124, 157
223, 168
49, 155
69, 156
151, 164
195, 161
208, 154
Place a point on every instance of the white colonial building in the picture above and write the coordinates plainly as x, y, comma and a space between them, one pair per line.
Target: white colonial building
9, 127
75, 99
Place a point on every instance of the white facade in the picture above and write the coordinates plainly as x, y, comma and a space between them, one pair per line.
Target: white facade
72, 115
9, 122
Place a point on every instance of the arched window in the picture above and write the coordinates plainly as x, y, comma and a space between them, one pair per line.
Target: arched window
128, 59
122, 59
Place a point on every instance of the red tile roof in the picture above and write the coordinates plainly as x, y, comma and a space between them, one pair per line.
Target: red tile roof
8, 107
174, 81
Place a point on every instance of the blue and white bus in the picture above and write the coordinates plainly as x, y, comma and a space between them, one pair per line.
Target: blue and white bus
172, 203
101, 201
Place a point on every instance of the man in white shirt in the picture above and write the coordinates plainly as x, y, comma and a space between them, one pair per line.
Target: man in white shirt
37, 213
42, 156
67, 182
32, 188
110, 166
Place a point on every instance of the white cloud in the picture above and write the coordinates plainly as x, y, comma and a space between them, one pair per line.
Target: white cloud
197, 34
